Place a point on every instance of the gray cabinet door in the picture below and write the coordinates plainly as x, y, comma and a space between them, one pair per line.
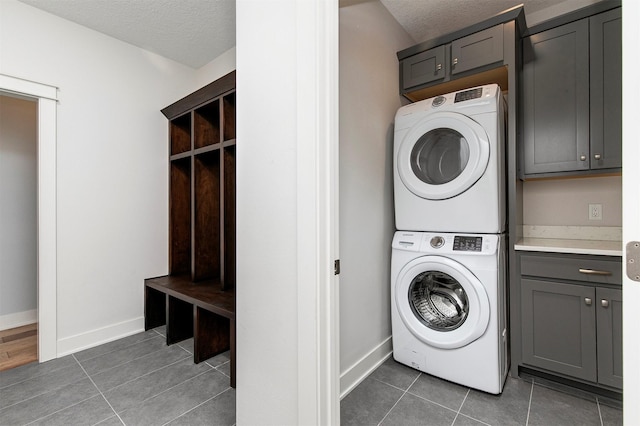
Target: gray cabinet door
558, 328
609, 313
556, 99
606, 89
425, 67
476, 50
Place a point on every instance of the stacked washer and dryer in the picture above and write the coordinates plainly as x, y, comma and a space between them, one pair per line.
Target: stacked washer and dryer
448, 262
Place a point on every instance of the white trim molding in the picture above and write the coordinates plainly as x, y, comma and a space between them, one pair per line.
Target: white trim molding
46, 96
18, 319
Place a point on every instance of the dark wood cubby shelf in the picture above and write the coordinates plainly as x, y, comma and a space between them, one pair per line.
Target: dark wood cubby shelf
197, 298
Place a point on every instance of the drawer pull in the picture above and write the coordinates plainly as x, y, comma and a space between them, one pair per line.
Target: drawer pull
593, 272
604, 303
587, 301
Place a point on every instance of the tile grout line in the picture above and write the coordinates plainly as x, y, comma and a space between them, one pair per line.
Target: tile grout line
530, 399
57, 411
112, 351
599, 411
199, 405
399, 399
99, 391
460, 407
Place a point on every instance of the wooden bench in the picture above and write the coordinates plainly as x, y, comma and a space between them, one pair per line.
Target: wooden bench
201, 310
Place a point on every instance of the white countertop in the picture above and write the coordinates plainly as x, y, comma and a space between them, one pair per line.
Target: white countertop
557, 245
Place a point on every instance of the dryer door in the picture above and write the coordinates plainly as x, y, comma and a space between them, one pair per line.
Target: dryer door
441, 302
443, 155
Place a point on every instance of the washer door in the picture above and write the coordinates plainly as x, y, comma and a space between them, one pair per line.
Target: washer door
443, 155
441, 302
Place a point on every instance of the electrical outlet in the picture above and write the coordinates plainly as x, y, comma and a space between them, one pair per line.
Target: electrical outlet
595, 211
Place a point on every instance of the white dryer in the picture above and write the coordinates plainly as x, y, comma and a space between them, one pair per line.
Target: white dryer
449, 163
448, 311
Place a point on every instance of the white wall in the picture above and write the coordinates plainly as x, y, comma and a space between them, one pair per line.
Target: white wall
18, 194
369, 40
111, 165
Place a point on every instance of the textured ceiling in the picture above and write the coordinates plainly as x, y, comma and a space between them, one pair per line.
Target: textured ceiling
424, 20
194, 32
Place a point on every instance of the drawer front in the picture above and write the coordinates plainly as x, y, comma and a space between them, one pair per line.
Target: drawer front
576, 268
423, 68
477, 50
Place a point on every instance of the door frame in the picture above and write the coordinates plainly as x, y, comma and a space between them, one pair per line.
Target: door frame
47, 98
630, 208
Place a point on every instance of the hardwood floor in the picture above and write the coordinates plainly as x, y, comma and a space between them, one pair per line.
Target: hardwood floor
18, 346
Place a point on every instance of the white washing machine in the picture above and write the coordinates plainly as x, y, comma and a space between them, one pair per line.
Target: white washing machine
449, 163
448, 311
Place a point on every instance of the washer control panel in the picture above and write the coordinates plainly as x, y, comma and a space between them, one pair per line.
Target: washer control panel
443, 243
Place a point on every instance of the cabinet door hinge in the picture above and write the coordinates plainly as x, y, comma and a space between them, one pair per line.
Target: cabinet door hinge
336, 267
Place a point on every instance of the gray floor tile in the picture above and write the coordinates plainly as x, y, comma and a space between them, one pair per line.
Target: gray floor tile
463, 420
610, 416
46, 404
187, 345
136, 391
509, 408
40, 385
111, 421
368, 403
116, 376
89, 412
177, 401
162, 330
121, 356
218, 411
395, 374
218, 359
439, 391
550, 407
412, 410
225, 369
115, 345
34, 369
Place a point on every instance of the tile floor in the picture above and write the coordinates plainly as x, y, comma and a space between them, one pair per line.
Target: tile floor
139, 380
398, 395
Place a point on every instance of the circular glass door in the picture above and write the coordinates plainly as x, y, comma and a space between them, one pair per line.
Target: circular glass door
441, 302
443, 156
438, 300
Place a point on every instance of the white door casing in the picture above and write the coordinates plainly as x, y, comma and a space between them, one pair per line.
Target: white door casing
630, 207
46, 97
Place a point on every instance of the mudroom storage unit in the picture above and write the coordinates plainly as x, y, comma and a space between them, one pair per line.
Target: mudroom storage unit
197, 298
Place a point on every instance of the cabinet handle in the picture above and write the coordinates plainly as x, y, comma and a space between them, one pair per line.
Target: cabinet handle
583, 158
439, 67
597, 156
455, 61
593, 272
604, 303
587, 301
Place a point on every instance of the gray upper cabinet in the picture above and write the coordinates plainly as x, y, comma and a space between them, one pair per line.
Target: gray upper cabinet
556, 99
425, 67
442, 62
477, 50
571, 318
606, 89
572, 97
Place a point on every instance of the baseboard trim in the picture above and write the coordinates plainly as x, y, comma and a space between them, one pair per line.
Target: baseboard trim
359, 371
18, 319
79, 342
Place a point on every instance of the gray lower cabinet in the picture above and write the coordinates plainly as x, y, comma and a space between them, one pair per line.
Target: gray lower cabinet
572, 97
571, 314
